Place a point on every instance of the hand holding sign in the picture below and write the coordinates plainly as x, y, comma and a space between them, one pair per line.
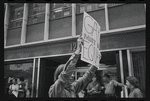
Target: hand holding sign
91, 34
79, 44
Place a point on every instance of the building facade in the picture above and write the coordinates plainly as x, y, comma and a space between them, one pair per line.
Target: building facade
40, 36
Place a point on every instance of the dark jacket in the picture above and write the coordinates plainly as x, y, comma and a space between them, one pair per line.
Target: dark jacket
58, 89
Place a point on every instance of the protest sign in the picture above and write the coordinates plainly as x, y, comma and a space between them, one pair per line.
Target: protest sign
91, 35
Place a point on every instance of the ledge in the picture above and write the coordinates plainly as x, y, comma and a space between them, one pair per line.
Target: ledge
103, 33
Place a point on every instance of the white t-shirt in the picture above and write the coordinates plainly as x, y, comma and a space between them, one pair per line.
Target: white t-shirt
14, 89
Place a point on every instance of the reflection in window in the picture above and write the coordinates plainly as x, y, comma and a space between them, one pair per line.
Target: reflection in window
82, 9
16, 15
20, 70
89, 7
60, 10
37, 13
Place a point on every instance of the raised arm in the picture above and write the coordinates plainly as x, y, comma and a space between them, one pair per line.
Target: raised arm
57, 88
71, 63
117, 83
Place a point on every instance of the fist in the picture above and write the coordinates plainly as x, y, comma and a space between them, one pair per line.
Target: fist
79, 43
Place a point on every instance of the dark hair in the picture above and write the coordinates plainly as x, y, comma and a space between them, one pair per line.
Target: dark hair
15, 79
133, 80
21, 78
106, 75
58, 71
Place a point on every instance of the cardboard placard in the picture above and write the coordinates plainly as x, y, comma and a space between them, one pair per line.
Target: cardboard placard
91, 35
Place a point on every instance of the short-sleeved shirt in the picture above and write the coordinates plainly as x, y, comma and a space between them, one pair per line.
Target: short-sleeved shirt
135, 93
14, 89
110, 87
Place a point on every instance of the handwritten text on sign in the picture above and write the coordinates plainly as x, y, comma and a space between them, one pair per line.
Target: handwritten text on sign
91, 36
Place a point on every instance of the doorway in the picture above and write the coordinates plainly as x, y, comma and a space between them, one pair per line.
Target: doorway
47, 69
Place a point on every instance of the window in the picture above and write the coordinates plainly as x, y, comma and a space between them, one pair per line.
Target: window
16, 15
88, 7
36, 13
60, 10
18, 70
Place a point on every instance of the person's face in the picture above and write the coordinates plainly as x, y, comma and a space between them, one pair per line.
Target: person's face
14, 82
94, 79
105, 79
71, 80
128, 84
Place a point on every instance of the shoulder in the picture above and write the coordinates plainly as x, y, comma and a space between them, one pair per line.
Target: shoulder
137, 90
137, 93
113, 81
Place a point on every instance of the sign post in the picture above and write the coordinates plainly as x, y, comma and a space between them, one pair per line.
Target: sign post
91, 35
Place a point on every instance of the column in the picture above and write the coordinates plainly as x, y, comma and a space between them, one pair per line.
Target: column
47, 17
129, 63
73, 19
6, 22
106, 17
121, 66
33, 76
38, 75
24, 24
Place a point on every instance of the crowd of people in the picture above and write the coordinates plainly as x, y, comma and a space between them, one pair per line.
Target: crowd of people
17, 89
83, 87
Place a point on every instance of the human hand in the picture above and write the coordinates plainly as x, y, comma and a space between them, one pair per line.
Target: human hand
79, 44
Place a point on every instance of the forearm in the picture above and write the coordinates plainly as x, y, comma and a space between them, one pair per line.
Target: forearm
71, 63
120, 84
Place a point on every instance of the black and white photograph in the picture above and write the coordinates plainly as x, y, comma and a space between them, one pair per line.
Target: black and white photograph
74, 50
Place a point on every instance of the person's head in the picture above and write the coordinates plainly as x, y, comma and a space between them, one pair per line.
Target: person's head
94, 79
106, 78
14, 81
131, 82
58, 71
21, 79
